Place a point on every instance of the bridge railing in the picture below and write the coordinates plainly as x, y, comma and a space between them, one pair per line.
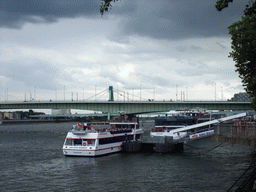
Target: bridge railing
119, 101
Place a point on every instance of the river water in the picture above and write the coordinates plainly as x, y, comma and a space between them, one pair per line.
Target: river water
32, 160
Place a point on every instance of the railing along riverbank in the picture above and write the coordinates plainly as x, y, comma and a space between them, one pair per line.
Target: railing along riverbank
237, 132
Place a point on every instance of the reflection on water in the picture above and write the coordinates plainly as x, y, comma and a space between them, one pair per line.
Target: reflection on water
32, 160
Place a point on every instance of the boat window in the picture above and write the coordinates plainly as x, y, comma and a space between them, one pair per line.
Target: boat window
132, 126
112, 140
68, 142
138, 136
89, 142
129, 137
78, 142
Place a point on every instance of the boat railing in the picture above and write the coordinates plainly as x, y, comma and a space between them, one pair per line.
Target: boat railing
114, 130
124, 130
99, 129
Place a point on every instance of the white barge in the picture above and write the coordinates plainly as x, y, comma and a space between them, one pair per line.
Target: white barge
90, 139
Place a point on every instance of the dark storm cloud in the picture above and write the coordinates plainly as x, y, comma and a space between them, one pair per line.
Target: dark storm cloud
15, 13
179, 19
176, 19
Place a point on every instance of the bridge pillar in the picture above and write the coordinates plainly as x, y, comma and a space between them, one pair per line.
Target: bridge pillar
111, 95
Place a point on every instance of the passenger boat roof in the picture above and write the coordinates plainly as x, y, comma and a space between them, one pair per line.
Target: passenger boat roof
161, 126
123, 123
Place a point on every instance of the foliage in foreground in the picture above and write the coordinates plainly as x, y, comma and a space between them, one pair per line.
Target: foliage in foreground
243, 46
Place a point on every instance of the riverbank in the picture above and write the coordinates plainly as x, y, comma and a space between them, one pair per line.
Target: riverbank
247, 181
31, 121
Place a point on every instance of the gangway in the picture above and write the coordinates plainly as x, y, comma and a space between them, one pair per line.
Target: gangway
220, 120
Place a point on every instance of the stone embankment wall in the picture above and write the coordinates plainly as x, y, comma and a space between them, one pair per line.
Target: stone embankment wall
237, 132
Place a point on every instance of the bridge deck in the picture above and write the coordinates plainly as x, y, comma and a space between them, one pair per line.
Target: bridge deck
129, 107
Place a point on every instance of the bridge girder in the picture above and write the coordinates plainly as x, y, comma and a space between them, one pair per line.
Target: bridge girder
129, 107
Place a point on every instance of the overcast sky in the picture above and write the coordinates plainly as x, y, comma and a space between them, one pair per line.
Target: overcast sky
162, 50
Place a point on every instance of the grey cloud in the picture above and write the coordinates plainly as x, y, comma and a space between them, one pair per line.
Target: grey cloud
153, 79
111, 76
16, 13
195, 48
226, 83
222, 46
40, 74
236, 88
197, 64
181, 48
180, 19
157, 19
201, 69
209, 82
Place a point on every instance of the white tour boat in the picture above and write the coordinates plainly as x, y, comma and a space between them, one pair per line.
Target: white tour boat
168, 131
92, 139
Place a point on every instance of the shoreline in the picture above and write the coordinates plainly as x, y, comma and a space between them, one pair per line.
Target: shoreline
31, 121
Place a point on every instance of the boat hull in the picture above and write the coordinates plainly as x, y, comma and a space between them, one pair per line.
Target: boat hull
83, 151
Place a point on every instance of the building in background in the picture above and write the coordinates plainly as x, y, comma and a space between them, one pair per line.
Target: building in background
242, 96
17, 115
61, 111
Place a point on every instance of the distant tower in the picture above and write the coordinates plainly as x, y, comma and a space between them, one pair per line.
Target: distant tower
111, 95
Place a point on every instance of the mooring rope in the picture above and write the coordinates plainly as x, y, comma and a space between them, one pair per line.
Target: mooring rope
213, 148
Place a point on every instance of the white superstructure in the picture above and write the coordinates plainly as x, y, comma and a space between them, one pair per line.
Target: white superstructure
166, 131
88, 140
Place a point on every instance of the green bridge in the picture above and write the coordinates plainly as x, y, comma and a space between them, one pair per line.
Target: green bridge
128, 107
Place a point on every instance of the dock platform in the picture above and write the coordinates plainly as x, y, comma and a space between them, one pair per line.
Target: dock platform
153, 144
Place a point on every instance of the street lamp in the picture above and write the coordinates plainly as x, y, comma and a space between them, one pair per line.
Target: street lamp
187, 92
153, 93
95, 92
34, 93
215, 91
176, 92
117, 93
64, 92
140, 92
29, 95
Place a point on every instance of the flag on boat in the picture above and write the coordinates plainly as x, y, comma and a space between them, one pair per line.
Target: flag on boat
79, 125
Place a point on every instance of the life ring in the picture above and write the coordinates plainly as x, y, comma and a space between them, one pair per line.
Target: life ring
84, 144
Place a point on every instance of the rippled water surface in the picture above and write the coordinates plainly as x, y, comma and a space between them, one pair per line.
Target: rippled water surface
32, 160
